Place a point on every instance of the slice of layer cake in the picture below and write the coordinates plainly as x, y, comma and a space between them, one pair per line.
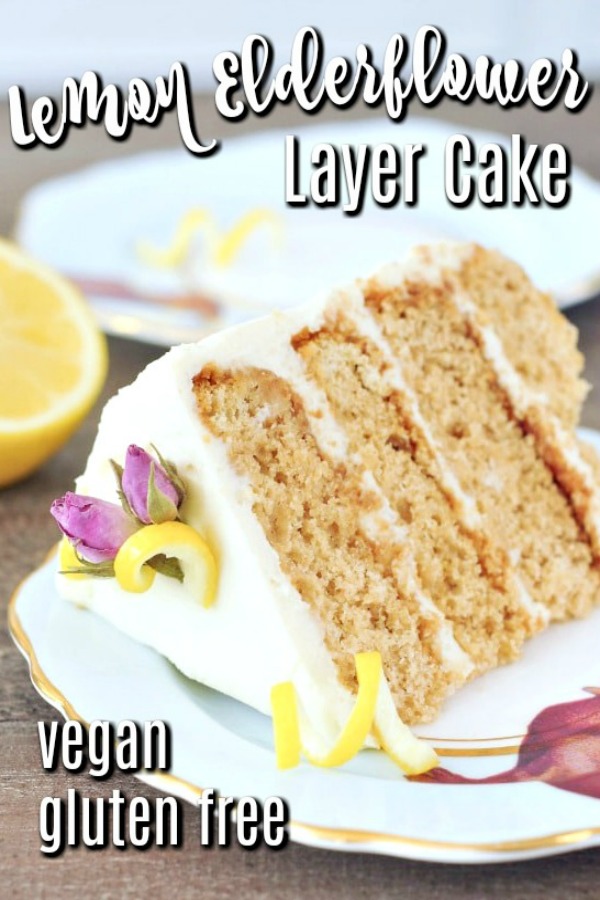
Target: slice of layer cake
392, 467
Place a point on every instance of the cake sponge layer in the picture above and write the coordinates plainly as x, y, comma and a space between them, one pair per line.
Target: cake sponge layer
311, 509
468, 578
539, 342
493, 456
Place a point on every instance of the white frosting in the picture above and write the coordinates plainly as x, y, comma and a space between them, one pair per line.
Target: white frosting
425, 264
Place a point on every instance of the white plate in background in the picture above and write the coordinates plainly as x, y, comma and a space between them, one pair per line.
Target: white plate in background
87, 224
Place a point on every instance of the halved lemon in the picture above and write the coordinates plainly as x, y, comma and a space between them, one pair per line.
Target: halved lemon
53, 362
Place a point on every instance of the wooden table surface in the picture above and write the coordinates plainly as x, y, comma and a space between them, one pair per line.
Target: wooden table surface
26, 533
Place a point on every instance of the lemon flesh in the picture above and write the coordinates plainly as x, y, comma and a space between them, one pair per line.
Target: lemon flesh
53, 362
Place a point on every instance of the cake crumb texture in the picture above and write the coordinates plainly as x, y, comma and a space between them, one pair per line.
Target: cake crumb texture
467, 578
494, 458
540, 343
310, 508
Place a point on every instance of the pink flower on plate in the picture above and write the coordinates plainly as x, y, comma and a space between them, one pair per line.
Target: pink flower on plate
96, 528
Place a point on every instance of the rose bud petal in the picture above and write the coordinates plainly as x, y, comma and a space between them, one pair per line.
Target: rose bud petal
148, 489
96, 528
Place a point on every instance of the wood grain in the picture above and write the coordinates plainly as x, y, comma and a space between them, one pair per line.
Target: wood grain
26, 533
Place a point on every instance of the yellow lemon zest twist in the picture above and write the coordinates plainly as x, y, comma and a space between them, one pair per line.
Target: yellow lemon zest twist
373, 712
173, 539
223, 247
232, 241
285, 725
67, 559
177, 251
413, 755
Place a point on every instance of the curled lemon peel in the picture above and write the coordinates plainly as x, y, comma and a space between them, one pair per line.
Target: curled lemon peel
223, 247
356, 729
67, 560
373, 713
412, 755
285, 725
288, 741
232, 241
173, 539
176, 252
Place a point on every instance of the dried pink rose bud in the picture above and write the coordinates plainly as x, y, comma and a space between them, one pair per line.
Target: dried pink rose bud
97, 529
150, 492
